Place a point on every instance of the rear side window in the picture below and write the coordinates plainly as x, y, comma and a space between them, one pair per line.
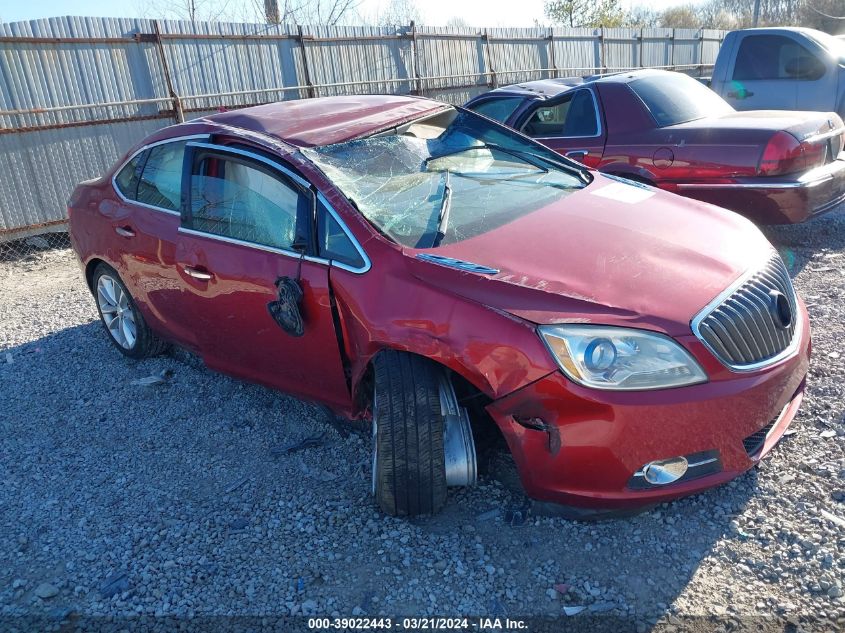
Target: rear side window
572, 116
775, 57
127, 178
333, 241
497, 109
675, 98
244, 201
160, 184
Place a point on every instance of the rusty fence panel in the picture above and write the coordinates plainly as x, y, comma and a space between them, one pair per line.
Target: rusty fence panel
77, 93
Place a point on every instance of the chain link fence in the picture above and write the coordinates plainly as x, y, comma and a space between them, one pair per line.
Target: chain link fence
30, 247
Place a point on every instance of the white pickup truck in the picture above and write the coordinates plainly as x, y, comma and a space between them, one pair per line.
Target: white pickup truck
781, 69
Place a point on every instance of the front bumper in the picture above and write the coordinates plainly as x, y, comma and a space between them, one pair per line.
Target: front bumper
596, 441
775, 200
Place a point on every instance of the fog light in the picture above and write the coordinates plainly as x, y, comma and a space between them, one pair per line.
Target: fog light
665, 471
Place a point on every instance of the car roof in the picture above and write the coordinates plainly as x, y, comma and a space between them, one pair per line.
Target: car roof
327, 120
543, 89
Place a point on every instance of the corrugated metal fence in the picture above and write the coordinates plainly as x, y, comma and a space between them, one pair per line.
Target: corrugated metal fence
76, 93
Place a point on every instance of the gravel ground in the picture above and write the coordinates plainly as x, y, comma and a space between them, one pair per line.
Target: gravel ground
181, 499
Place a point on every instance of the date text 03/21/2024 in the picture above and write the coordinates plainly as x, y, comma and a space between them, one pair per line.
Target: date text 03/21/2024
418, 624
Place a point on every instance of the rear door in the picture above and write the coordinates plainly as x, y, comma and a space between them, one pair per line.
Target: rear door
781, 71
570, 124
146, 224
247, 227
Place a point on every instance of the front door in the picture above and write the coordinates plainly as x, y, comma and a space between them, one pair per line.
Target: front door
570, 125
778, 72
245, 227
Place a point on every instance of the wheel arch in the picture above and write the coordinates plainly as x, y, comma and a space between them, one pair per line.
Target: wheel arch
466, 380
90, 267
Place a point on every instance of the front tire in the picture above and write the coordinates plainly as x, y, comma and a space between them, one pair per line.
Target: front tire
124, 324
409, 466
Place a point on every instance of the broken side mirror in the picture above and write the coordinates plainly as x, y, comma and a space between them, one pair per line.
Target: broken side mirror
286, 309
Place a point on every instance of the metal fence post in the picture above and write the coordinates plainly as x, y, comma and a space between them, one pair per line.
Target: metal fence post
494, 82
305, 71
602, 52
178, 113
415, 59
552, 64
672, 50
700, 52
642, 64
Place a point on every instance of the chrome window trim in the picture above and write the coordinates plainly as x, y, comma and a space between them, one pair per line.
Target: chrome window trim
367, 263
174, 139
272, 249
595, 109
256, 245
788, 351
256, 157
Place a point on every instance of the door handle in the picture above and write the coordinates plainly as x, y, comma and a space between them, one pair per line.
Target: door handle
577, 154
124, 231
197, 273
740, 94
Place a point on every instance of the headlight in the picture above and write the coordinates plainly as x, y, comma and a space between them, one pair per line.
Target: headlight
620, 358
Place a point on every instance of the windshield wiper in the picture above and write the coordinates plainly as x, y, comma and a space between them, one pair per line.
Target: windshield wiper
445, 208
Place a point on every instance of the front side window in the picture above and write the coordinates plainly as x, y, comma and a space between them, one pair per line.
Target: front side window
775, 57
571, 116
674, 98
498, 109
447, 178
244, 200
160, 184
333, 242
128, 177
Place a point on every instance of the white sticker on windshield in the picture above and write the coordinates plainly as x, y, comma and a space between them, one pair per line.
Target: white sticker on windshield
623, 193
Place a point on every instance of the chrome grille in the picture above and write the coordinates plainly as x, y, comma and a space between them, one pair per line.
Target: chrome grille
742, 328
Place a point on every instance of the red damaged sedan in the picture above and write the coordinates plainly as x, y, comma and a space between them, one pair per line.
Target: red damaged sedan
418, 265
668, 130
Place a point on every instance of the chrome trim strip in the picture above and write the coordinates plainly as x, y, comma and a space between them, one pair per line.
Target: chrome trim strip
457, 264
824, 135
367, 263
175, 139
745, 185
789, 350
703, 462
224, 149
595, 109
261, 247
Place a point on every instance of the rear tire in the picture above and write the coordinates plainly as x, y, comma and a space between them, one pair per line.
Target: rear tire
121, 319
409, 465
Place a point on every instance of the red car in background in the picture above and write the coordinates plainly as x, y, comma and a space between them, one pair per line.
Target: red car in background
669, 130
419, 265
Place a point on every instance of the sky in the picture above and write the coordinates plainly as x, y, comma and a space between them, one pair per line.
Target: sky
434, 12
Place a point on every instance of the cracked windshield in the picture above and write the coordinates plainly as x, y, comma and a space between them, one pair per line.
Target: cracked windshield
446, 178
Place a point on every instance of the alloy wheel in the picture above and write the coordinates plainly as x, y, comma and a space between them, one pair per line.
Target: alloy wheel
116, 311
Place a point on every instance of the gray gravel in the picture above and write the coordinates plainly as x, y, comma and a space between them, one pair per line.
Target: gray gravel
182, 498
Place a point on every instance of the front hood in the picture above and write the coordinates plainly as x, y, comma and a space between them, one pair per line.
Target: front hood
801, 125
611, 253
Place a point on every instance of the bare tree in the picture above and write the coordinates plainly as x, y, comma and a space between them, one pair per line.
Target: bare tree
190, 10
457, 23
398, 12
311, 12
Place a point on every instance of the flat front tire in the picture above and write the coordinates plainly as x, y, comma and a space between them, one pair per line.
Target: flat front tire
124, 324
409, 470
